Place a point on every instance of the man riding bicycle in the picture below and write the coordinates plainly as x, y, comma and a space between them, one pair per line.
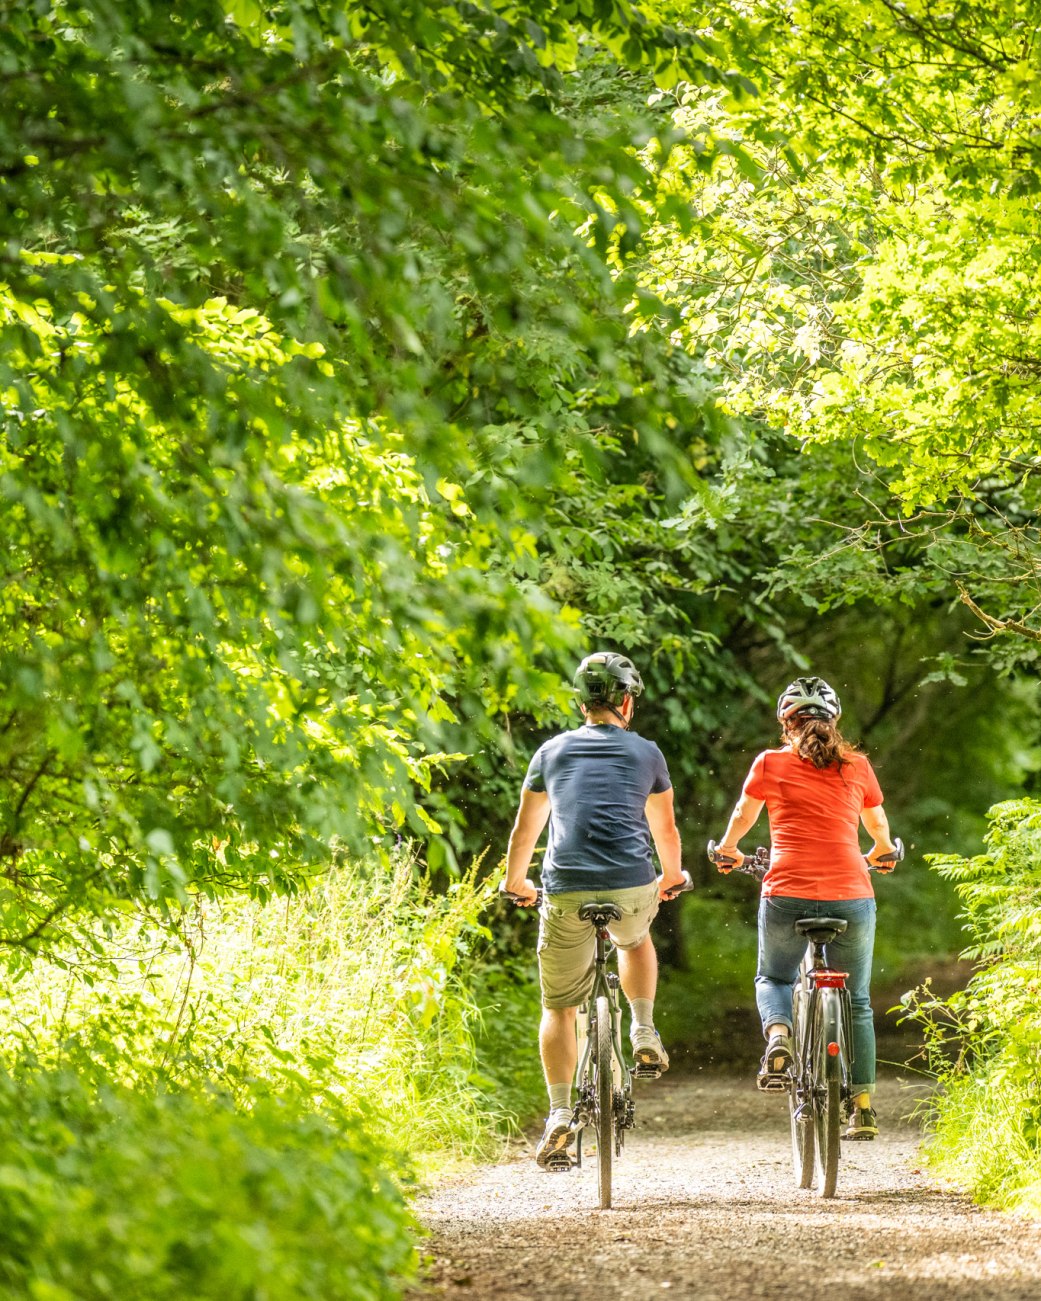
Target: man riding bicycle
606, 794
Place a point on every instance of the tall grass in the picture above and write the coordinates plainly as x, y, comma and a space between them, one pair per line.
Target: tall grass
985, 1041
361, 990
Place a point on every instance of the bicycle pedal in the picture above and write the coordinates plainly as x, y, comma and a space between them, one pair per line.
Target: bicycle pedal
646, 1071
558, 1162
772, 1083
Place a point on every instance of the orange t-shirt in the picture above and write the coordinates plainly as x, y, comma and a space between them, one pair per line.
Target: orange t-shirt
814, 824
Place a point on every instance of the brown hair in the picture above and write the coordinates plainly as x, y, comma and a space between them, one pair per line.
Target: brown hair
818, 740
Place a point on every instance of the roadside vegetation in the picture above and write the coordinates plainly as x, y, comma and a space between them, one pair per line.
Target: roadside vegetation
241, 1094
983, 1042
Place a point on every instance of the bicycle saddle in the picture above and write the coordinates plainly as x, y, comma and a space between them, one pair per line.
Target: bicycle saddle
821, 930
601, 913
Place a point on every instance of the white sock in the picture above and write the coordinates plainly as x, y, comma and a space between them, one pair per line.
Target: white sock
560, 1097
643, 1011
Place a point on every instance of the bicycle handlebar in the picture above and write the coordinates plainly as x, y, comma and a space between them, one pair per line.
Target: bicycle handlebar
754, 864
757, 863
520, 902
676, 891
887, 862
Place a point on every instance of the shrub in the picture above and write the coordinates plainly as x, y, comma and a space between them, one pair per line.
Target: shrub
106, 1192
509, 1072
182, 1110
985, 1041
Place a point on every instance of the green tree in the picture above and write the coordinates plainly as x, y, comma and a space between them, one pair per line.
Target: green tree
870, 283
277, 283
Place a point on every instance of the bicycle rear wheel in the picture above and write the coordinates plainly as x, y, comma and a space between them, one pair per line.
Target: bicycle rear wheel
604, 1092
800, 1114
827, 1064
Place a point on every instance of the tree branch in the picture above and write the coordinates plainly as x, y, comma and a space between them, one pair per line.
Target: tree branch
997, 626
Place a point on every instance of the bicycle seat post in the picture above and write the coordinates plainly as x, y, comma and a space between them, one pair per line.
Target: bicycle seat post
601, 945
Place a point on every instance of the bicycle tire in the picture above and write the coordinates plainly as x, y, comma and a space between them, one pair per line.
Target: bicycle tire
828, 1091
804, 1144
604, 1091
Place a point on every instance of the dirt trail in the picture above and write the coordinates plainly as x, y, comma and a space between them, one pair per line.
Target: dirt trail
705, 1207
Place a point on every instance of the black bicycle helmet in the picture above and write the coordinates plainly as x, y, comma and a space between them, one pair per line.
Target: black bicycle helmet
605, 678
810, 696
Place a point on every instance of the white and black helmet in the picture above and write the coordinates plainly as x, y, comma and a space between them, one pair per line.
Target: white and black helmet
810, 696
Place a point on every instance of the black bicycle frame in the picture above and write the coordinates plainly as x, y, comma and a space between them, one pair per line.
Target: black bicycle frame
605, 985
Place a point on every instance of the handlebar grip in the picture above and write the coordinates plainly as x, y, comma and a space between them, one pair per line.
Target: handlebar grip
887, 862
518, 900
677, 890
721, 863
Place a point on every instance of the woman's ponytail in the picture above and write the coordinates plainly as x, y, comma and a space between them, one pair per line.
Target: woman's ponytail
818, 740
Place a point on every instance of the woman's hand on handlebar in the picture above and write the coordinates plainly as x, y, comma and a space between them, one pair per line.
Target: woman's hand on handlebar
725, 857
883, 858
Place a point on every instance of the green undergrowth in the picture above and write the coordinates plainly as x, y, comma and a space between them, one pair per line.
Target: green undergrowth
109, 1191
702, 1010
507, 1041
984, 1042
237, 1100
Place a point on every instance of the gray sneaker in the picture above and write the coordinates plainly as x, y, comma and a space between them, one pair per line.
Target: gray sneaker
647, 1047
556, 1139
861, 1124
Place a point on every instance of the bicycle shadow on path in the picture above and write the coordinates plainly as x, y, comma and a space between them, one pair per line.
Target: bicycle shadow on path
706, 1207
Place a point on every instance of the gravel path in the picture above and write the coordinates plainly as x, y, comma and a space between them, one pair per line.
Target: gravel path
705, 1207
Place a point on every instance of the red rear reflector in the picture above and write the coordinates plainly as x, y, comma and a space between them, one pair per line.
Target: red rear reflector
833, 1050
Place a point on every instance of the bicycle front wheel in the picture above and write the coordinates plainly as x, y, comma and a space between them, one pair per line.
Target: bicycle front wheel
827, 1069
604, 1090
800, 1110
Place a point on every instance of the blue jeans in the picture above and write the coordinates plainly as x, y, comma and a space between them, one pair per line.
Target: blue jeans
780, 952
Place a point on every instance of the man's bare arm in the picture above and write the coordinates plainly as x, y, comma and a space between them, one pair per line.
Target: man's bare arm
532, 816
661, 818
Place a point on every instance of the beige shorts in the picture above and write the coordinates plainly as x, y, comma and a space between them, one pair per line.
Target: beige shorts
567, 946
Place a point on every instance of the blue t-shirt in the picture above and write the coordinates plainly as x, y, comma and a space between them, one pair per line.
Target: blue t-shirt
598, 779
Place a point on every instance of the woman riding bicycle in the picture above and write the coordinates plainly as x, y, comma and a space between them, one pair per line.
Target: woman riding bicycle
817, 789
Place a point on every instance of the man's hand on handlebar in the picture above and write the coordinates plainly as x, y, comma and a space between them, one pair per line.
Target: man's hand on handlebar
672, 887
528, 895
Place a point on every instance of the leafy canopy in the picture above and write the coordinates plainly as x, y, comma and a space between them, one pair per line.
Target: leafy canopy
296, 328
